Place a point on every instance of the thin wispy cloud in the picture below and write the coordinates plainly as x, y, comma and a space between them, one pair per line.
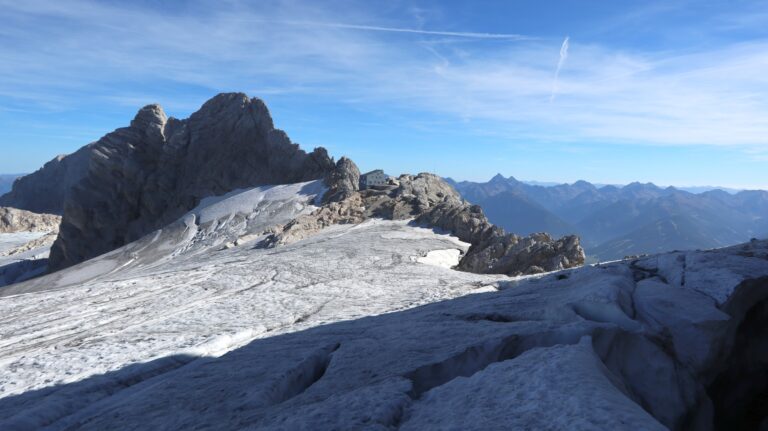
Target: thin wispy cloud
465, 34
715, 96
560, 63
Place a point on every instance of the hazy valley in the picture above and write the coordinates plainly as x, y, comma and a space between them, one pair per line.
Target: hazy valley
615, 221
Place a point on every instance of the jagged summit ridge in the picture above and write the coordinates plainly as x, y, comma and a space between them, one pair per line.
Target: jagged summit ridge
149, 116
145, 176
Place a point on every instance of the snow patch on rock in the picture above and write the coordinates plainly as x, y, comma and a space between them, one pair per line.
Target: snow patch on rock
246, 201
448, 258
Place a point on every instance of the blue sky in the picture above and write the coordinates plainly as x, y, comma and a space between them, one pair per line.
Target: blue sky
674, 92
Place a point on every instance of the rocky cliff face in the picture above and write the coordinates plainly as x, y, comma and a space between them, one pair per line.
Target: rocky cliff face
433, 202
15, 220
147, 175
44, 191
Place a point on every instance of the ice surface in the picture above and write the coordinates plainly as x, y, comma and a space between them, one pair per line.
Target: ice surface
359, 327
443, 258
18, 260
246, 201
10, 241
565, 387
217, 302
218, 222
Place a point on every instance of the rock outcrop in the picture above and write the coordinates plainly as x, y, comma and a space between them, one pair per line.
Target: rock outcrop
494, 251
147, 175
348, 211
45, 190
343, 181
16, 220
514, 255
433, 202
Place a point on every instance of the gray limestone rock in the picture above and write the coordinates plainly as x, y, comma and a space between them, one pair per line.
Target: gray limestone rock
465, 221
513, 255
343, 181
44, 191
16, 220
409, 196
432, 202
348, 211
145, 176
494, 251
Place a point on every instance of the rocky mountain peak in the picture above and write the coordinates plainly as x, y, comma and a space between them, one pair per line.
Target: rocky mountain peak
149, 116
231, 107
581, 184
131, 188
498, 178
343, 181
223, 102
150, 122
641, 186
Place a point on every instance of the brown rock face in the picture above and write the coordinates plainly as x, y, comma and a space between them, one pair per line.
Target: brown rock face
145, 176
16, 220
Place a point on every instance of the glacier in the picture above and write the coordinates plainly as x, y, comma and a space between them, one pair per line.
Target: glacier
367, 326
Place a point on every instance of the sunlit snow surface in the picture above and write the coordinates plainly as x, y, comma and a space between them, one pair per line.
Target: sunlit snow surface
186, 330
214, 299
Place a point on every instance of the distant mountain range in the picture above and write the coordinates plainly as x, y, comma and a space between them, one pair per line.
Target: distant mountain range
6, 182
616, 221
692, 189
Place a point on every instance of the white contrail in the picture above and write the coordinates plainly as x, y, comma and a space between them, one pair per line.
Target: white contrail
560, 62
507, 36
